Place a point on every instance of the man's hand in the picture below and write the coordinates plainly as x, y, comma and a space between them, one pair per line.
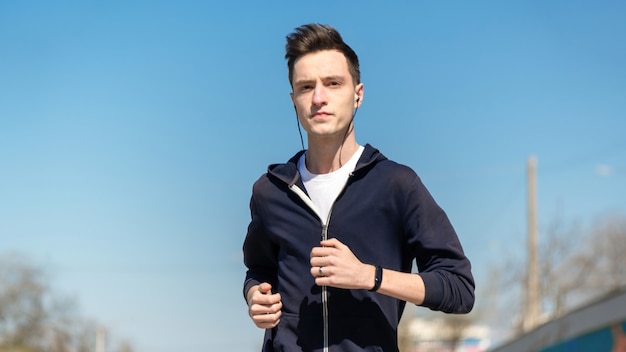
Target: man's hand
264, 307
340, 267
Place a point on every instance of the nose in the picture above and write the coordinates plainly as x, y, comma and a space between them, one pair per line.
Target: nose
319, 95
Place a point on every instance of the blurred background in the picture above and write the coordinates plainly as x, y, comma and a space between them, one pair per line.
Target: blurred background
131, 134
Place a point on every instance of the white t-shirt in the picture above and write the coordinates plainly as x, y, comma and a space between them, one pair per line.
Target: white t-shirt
323, 189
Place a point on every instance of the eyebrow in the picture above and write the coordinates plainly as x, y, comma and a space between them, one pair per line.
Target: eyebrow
324, 79
334, 78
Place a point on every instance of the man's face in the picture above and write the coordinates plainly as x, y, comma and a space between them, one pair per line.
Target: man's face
324, 94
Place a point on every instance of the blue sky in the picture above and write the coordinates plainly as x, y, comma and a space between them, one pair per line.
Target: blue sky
131, 134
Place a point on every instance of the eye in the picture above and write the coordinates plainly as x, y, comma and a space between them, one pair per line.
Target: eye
305, 87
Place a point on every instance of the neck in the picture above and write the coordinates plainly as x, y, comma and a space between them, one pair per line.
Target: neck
325, 156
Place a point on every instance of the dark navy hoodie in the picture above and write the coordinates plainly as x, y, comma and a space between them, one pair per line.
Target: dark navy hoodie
386, 217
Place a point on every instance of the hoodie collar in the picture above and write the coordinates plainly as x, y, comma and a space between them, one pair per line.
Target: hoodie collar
288, 172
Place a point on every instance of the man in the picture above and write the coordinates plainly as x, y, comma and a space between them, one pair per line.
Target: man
335, 230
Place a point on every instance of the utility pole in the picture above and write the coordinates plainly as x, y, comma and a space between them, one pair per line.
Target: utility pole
533, 308
100, 339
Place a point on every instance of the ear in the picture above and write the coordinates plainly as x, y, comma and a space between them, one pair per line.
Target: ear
293, 101
358, 95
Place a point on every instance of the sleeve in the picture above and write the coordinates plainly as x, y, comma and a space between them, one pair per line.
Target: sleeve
440, 259
259, 252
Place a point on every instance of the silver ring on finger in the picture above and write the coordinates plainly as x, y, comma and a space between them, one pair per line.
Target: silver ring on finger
321, 270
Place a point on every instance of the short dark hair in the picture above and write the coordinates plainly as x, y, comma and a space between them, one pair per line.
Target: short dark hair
313, 37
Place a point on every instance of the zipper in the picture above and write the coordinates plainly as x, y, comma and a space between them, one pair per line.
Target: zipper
324, 236
325, 290
294, 188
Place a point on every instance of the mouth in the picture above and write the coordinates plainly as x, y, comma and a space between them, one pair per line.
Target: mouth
321, 114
